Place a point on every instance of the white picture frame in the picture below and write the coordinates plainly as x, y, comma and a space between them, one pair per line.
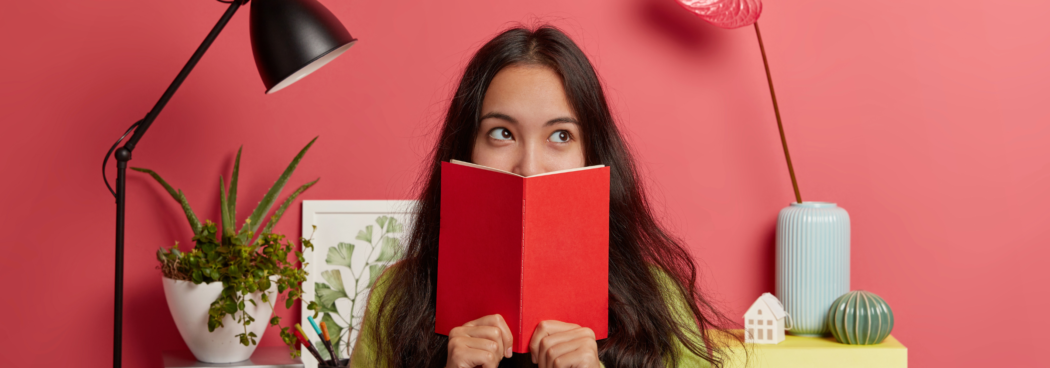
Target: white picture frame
363, 237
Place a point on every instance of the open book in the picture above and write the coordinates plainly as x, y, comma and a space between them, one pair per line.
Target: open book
528, 248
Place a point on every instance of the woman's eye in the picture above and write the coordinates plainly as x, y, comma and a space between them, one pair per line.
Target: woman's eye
560, 136
502, 134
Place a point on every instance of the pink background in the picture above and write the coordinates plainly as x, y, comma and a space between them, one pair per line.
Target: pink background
926, 120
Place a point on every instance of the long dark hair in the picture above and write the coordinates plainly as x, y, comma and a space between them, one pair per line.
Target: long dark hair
642, 329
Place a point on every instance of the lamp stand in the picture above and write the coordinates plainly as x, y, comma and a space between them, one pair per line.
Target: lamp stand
123, 155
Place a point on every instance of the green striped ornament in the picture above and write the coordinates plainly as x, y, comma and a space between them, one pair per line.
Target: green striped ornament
860, 318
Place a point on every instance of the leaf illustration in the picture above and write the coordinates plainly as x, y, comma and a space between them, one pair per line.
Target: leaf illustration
393, 226
390, 249
373, 273
365, 235
340, 255
382, 221
335, 280
326, 296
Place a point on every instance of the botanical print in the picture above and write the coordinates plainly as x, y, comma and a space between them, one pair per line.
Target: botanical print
344, 291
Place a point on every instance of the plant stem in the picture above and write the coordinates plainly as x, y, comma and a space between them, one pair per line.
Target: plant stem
776, 109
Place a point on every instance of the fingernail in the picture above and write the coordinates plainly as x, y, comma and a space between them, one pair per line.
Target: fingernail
508, 353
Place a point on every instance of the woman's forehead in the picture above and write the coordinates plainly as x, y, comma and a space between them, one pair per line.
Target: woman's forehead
527, 94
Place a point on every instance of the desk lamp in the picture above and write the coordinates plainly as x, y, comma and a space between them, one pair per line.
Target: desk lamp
290, 39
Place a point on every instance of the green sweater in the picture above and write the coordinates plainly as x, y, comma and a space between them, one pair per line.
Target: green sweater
364, 355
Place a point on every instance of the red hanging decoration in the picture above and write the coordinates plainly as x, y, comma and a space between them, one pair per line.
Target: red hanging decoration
727, 14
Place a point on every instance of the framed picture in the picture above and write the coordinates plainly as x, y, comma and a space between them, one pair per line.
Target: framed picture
354, 241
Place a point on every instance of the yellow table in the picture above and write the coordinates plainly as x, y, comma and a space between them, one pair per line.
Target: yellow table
820, 352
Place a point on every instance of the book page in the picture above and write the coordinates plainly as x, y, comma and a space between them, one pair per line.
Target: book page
464, 163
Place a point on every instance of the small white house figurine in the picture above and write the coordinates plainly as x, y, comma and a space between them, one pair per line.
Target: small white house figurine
764, 321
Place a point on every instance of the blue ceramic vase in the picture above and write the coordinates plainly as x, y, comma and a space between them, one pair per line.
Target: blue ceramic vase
812, 263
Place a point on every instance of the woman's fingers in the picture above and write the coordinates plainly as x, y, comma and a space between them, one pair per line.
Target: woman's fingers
482, 342
505, 338
469, 352
554, 344
579, 353
544, 329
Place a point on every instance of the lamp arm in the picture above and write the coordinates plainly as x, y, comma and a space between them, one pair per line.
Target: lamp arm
123, 155
152, 115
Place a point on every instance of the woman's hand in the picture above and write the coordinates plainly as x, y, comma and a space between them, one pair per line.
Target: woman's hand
563, 345
479, 343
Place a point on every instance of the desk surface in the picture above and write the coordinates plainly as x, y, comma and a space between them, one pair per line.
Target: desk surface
819, 352
264, 357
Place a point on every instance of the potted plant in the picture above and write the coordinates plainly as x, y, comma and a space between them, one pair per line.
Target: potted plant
232, 277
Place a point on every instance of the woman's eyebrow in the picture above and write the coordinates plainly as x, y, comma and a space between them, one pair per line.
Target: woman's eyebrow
507, 118
564, 119
500, 116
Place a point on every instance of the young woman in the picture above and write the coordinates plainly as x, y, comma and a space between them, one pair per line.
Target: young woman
530, 102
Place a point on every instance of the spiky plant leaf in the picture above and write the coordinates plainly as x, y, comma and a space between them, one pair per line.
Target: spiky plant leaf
267, 202
224, 209
284, 206
191, 217
232, 197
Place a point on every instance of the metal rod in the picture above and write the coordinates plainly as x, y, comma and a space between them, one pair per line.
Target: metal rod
776, 109
118, 295
123, 155
152, 115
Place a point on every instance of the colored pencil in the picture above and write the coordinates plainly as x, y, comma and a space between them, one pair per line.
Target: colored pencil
306, 343
328, 342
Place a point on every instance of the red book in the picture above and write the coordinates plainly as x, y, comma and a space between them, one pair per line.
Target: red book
528, 248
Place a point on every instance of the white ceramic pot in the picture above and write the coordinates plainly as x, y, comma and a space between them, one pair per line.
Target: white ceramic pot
189, 304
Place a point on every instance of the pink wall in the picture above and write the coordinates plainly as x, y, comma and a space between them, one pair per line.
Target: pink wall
926, 120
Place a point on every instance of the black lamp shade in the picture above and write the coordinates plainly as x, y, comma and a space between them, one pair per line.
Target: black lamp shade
293, 38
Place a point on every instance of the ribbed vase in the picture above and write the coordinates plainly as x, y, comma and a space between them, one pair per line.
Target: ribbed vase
812, 263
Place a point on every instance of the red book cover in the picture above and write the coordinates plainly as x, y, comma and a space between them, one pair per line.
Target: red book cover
528, 248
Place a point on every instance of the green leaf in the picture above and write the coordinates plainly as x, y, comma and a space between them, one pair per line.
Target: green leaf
390, 249
381, 220
280, 210
373, 273
334, 331
393, 226
162, 255
365, 235
224, 208
191, 217
335, 279
267, 202
232, 197
326, 296
340, 255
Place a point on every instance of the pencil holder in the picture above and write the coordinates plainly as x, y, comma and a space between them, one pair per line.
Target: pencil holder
343, 363
812, 262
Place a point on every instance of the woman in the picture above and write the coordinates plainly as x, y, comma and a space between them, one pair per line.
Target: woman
530, 102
